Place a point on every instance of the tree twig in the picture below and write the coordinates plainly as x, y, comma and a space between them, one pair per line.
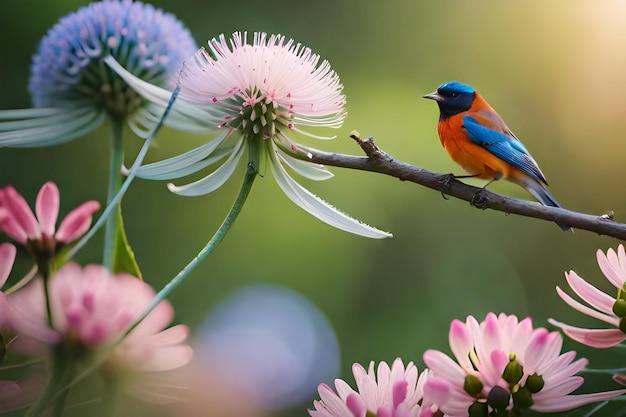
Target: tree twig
376, 160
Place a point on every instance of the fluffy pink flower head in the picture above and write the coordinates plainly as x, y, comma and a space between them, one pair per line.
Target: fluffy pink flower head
504, 364
39, 233
611, 310
92, 308
253, 93
393, 392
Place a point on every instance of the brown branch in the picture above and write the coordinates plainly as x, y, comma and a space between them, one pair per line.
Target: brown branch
378, 161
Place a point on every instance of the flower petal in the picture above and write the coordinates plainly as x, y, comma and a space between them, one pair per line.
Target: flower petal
21, 223
590, 294
610, 319
190, 118
569, 402
212, 181
308, 170
77, 222
598, 338
49, 127
318, 207
47, 207
7, 257
186, 163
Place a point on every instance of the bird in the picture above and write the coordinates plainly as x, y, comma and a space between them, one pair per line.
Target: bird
477, 139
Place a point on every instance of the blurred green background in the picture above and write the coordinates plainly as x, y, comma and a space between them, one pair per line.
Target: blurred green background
555, 71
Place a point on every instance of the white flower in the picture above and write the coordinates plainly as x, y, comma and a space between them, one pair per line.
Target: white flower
253, 96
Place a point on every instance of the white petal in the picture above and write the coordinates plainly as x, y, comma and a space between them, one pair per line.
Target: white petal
308, 170
49, 127
184, 116
186, 163
318, 207
214, 180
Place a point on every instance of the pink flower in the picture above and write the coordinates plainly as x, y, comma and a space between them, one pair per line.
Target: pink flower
18, 221
7, 257
93, 308
611, 310
505, 364
20, 393
395, 392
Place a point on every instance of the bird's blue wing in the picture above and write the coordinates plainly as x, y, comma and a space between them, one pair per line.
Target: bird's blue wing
508, 148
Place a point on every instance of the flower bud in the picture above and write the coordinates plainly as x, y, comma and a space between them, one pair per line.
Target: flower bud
472, 385
534, 383
619, 307
513, 372
498, 397
478, 409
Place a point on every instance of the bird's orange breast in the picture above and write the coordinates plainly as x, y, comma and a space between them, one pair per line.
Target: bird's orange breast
471, 157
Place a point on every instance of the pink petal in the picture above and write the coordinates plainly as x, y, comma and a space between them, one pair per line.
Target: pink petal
47, 207
335, 405
590, 294
437, 390
610, 319
599, 338
398, 392
356, 405
569, 402
611, 268
77, 222
160, 359
442, 365
461, 342
7, 257
22, 224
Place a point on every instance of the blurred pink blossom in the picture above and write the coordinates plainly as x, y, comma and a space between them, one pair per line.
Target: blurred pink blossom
18, 221
504, 363
20, 393
7, 257
602, 306
93, 308
392, 392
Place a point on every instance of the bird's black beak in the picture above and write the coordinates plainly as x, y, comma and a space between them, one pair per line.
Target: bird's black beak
433, 96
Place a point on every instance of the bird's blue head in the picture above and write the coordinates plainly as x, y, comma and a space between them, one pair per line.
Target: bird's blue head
453, 98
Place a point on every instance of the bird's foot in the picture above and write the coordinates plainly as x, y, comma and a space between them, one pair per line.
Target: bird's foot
446, 181
479, 200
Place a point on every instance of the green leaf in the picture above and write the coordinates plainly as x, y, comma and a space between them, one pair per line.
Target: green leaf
123, 256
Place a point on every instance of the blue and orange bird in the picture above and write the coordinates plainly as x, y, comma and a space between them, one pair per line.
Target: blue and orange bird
477, 138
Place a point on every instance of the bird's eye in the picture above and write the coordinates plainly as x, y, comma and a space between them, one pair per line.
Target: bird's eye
454, 94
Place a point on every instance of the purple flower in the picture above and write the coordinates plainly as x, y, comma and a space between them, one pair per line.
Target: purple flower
73, 90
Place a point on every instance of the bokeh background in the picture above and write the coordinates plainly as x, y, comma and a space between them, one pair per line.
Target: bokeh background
555, 71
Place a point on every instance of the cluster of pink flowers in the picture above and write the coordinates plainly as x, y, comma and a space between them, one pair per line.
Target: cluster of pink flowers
88, 309
502, 365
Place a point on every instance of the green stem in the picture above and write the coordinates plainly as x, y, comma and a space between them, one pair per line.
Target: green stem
109, 397
109, 210
61, 373
115, 183
251, 174
44, 267
254, 144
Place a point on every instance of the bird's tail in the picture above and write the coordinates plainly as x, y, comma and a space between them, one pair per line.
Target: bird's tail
542, 194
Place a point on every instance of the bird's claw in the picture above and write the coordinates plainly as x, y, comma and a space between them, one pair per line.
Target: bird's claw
479, 200
446, 181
